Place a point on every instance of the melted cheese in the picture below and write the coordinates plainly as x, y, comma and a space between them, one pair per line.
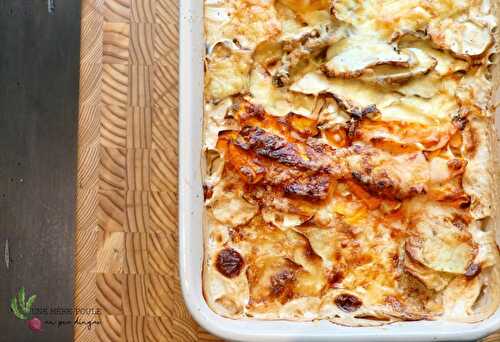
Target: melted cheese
348, 160
278, 101
439, 109
228, 206
248, 22
228, 73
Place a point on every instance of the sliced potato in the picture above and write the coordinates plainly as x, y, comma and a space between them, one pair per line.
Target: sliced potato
478, 146
437, 110
437, 242
475, 90
487, 251
432, 279
353, 96
343, 9
301, 52
228, 205
217, 14
356, 59
460, 296
227, 72
465, 39
446, 63
247, 23
278, 101
216, 120
420, 64
426, 86
283, 220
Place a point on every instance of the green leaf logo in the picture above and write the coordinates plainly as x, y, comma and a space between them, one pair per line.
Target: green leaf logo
20, 307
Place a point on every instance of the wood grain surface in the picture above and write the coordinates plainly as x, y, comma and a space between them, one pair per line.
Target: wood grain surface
126, 256
126, 259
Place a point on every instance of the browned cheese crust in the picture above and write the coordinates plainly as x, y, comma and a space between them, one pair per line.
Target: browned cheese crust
348, 160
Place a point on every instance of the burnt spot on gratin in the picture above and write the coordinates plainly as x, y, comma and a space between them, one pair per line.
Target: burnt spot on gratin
229, 262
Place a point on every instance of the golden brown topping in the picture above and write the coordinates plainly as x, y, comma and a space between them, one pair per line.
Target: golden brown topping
348, 303
313, 187
229, 262
399, 137
335, 278
370, 201
388, 176
304, 126
347, 153
207, 192
306, 167
272, 146
247, 111
272, 279
282, 284
420, 64
337, 136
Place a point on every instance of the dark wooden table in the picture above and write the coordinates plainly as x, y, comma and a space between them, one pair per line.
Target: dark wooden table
39, 67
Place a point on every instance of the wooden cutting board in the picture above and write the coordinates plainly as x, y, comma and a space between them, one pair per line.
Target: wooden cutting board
126, 259
126, 239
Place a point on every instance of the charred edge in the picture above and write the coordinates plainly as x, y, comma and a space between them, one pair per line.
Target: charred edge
282, 284
466, 202
381, 186
335, 278
352, 126
315, 188
256, 111
281, 78
207, 192
271, 146
356, 112
335, 74
296, 52
473, 270
360, 113
460, 121
348, 303
229, 263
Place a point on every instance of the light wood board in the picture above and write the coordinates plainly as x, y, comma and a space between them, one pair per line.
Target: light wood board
126, 245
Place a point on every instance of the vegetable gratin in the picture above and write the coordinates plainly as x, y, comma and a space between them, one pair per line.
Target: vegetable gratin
348, 160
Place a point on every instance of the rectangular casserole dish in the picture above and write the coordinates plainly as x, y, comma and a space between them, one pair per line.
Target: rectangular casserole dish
191, 71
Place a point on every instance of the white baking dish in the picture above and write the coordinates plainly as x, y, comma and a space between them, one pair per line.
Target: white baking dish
191, 234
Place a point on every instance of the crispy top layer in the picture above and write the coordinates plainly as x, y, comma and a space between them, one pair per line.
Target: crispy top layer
348, 160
